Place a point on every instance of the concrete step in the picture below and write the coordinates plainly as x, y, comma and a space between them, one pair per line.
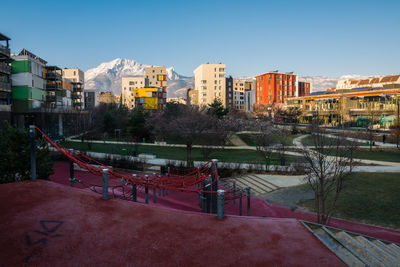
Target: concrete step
355, 249
386, 248
387, 259
264, 182
373, 259
257, 185
395, 247
342, 252
239, 185
244, 184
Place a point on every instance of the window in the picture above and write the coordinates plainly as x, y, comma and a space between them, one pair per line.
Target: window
131, 83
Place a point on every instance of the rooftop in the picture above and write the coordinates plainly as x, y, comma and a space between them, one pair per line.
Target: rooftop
4, 38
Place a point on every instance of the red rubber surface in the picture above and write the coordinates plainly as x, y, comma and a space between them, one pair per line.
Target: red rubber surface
189, 202
80, 229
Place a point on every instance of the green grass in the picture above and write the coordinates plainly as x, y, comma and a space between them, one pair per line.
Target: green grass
381, 155
249, 139
369, 197
179, 153
309, 141
378, 155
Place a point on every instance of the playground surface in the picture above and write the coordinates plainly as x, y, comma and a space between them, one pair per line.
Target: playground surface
48, 224
189, 202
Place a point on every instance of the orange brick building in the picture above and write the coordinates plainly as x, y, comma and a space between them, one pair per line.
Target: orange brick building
275, 87
304, 88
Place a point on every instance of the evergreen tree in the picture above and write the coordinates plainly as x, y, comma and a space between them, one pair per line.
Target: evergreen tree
15, 156
217, 109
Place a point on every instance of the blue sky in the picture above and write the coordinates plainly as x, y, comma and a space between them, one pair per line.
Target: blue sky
329, 38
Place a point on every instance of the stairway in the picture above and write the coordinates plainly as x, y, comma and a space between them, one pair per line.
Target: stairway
355, 249
257, 184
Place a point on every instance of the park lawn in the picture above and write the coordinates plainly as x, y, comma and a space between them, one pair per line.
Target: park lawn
249, 139
372, 198
179, 153
309, 141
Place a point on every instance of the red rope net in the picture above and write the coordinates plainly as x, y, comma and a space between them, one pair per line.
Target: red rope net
189, 182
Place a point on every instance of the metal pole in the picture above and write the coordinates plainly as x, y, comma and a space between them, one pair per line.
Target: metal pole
248, 201
163, 192
203, 197
134, 190
146, 191
214, 186
240, 205
208, 195
234, 192
71, 171
220, 203
154, 195
105, 184
159, 192
32, 134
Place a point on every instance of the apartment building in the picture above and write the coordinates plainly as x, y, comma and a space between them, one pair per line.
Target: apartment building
351, 107
229, 92
92, 98
371, 82
149, 98
28, 85
274, 87
77, 78
210, 82
154, 77
5, 78
192, 97
304, 88
128, 89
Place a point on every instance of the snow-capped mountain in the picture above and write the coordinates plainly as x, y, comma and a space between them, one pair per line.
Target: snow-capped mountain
321, 83
107, 77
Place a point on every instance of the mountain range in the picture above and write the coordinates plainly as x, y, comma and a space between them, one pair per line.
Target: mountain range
107, 77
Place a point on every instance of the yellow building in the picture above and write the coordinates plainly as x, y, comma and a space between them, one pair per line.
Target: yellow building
149, 98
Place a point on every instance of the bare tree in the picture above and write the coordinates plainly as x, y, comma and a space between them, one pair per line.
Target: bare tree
186, 123
328, 166
267, 140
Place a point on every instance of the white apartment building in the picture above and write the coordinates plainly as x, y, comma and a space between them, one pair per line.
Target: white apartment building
209, 81
77, 77
153, 77
128, 89
74, 75
156, 77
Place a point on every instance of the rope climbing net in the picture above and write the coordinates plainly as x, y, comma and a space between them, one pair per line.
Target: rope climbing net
196, 181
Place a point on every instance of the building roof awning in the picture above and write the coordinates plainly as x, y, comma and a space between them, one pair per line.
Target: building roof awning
4, 38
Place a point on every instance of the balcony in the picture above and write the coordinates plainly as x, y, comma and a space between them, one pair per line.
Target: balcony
5, 86
53, 87
4, 68
77, 87
4, 51
52, 76
76, 96
51, 98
